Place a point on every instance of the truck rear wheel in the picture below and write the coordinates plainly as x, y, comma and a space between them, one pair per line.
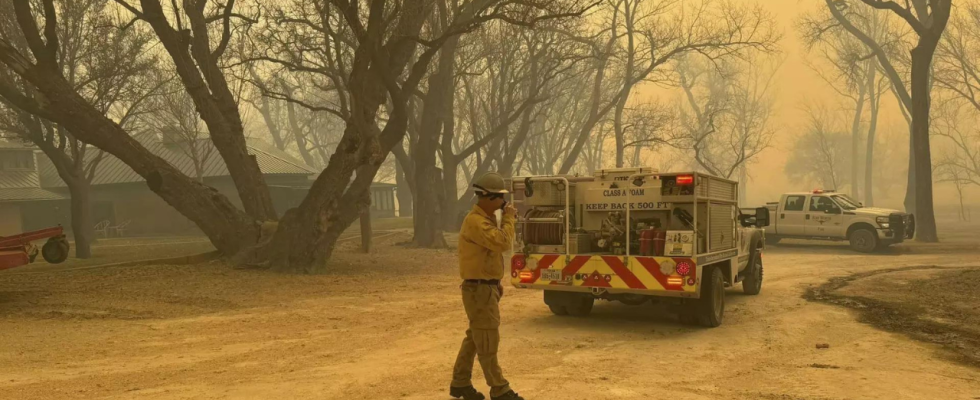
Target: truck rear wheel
567, 303
752, 284
558, 310
710, 308
580, 306
863, 240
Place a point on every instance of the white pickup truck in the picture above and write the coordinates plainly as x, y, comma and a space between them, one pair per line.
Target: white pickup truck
826, 215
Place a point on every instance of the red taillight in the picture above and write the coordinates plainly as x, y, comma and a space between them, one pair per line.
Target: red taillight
685, 180
517, 262
683, 268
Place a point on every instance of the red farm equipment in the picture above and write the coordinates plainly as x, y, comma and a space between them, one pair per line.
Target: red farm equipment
17, 250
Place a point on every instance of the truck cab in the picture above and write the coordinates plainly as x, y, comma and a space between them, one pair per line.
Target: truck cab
827, 215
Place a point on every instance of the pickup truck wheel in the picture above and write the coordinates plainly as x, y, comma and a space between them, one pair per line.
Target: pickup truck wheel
863, 240
772, 239
752, 284
711, 306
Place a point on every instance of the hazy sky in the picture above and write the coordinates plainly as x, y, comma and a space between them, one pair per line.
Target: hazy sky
797, 85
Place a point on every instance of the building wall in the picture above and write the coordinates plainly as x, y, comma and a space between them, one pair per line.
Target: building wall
37, 215
10, 220
148, 213
382, 202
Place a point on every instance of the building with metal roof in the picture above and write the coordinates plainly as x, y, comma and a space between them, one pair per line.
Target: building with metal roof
33, 195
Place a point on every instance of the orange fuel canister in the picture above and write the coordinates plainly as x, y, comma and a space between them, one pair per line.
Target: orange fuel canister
646, 242
659, 241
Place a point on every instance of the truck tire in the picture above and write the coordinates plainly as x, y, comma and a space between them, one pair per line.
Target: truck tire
772, 239
558, 310
863, 240
580, 306
565, 303
752, 284
710, 308
55, 251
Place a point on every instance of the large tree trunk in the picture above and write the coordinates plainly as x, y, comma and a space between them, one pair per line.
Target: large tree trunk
450, 197
430, 192
307, 235
921, 101
404, 192
229, 229
450, 161
81, 217
910, 187
869, 154
205, 83
856, 140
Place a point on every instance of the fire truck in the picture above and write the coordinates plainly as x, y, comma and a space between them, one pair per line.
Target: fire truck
635, 235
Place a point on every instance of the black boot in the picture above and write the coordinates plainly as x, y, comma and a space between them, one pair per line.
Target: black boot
511, 395
466, 393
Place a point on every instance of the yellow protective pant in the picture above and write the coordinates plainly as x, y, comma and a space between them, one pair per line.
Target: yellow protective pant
482, 338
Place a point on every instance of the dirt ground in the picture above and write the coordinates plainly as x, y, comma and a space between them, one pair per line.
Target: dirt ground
387, 326
930, 303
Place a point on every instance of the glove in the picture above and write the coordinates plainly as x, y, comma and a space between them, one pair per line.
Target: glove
500, 289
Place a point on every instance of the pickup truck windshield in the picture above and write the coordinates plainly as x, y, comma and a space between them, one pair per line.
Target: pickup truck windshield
846, 202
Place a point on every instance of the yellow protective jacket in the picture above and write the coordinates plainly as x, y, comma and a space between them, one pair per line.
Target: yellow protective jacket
482, 245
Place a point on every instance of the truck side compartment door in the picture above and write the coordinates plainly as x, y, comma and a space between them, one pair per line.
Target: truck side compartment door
791, 218
824, 217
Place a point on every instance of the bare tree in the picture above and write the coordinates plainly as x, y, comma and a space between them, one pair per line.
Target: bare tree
820, 155
177, 123
386, 68
725, 119
957, 73
713, 29
105, 66
642, 126
956, 123
854, 75
928, 19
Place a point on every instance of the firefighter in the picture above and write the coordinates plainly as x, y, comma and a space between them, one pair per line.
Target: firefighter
481, 265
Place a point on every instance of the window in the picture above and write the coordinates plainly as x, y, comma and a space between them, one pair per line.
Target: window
794, 203
847, 202
821, 204
17, 161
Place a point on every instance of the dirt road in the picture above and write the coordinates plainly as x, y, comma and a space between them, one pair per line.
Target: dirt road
387, 326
